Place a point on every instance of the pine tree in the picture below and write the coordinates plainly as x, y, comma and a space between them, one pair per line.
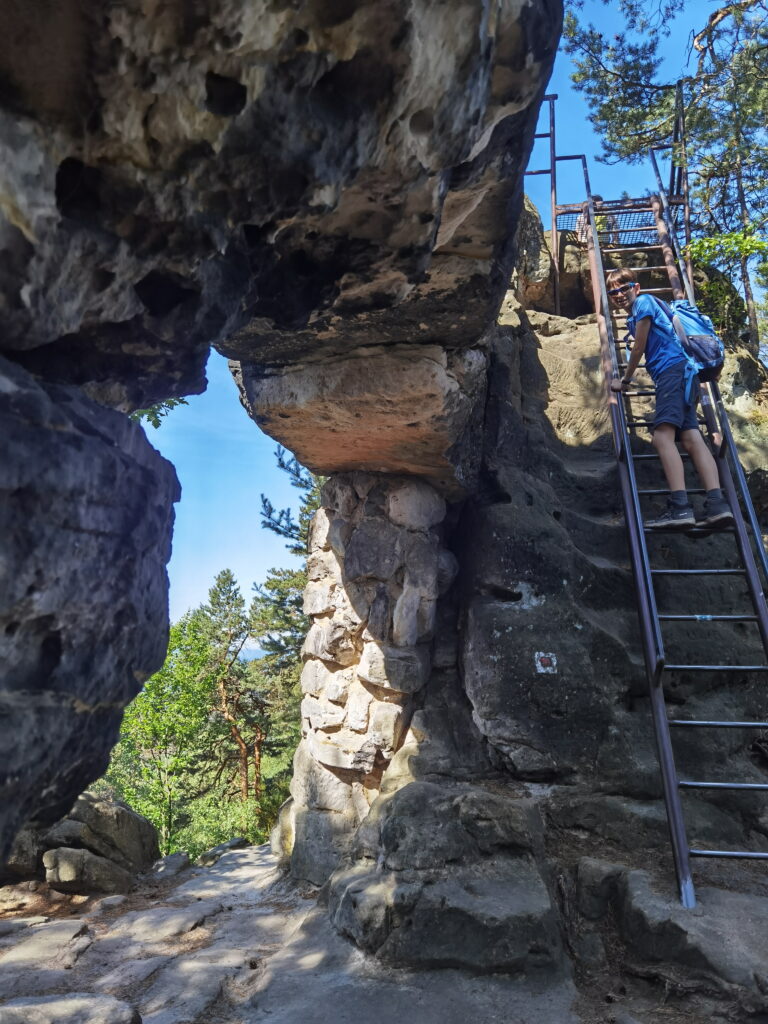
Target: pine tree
724, 104
239, 709
156, 765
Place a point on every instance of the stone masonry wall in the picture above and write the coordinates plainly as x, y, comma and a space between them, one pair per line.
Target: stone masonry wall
376, 568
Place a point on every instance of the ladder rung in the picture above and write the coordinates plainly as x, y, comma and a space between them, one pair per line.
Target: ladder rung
649, 421
729, 853
634, 248
647, 424
683, 784
709, 618
639, 394
638, 270
683, 455
699, 529
679, 722
698, 572
621, 231
715, 668
665, 490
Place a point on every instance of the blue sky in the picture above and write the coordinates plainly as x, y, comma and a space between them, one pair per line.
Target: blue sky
223, 460
224, 463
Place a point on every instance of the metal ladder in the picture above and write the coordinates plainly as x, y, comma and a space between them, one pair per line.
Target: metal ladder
623, 222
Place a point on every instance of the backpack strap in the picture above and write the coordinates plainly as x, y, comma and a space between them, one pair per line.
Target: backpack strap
667, 309
677, 327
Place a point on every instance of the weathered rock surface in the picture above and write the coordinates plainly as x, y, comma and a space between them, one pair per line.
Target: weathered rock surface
81, 490
277, 182
75, 1008
375, 574
293, 185
82, 871
395, 409
444, 877
99, 846
268, 953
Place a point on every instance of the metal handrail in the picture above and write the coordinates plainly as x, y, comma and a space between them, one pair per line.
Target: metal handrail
729, 445
653, 644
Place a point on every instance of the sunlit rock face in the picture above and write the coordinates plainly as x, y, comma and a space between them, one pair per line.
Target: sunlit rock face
402, 408
376, 569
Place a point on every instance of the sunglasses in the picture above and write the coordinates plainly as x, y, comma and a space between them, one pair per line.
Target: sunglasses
622, 288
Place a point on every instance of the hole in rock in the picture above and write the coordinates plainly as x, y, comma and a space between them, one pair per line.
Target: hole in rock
422, 122
224, 96
102, 279
360, 83
11, 629
50, 651
160, 293
333, 12
502, 593
77, 190
556, 514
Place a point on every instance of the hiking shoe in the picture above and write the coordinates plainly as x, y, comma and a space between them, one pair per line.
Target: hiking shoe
717, 510
677, 517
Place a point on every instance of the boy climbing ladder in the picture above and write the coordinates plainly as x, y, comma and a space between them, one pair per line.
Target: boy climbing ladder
675, 417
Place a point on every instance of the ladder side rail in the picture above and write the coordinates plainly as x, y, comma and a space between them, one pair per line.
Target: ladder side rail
653, 646
754, 583
666, 213
683, 174
553, 203
729, 446
552, 172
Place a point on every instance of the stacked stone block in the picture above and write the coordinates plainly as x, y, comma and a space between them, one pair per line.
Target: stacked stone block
376, 568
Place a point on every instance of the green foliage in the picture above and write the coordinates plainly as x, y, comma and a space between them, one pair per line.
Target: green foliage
206, 748
728, 248
154, 766
281, 521
155, 414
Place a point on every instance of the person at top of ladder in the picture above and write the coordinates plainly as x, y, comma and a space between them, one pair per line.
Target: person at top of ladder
605, 224
675, 416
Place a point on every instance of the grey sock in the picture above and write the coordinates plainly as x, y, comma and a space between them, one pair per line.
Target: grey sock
679, 498
715, 494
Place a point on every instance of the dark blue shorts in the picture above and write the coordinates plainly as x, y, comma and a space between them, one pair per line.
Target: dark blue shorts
671, 406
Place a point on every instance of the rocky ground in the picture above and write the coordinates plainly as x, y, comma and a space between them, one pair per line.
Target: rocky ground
236, 943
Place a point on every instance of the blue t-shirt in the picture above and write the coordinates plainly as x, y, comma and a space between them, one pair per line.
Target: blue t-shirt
663, 349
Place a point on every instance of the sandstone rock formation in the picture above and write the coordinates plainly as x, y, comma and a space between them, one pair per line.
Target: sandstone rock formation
328, 193
100, 846
86, 514
235, 942
295, 184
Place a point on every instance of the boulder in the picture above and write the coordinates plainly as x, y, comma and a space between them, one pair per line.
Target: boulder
170, 866
99, 847
211, 856
84, 872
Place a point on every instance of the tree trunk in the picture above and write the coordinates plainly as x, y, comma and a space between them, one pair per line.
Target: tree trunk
749, 297
242, 761
258, 743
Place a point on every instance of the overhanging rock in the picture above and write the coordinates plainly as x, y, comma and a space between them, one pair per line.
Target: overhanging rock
400, 409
